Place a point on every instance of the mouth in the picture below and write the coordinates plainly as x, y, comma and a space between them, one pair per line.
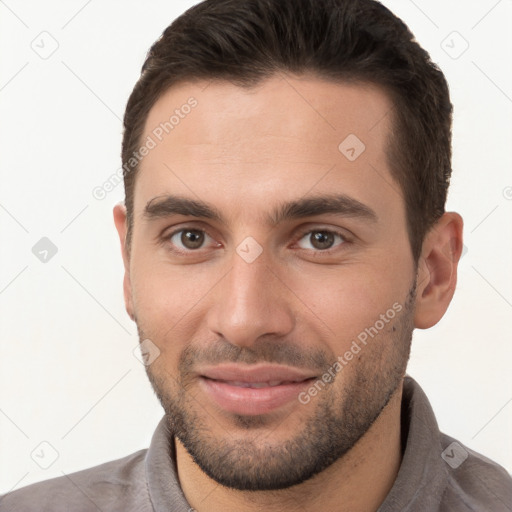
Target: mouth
253, 390
258, 385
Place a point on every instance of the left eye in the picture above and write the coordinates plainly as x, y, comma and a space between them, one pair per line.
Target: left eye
320, 240
189, 238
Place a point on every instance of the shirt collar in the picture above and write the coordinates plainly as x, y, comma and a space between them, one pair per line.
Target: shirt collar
162, 473
422, 475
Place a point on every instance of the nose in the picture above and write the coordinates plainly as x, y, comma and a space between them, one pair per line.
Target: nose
250, 302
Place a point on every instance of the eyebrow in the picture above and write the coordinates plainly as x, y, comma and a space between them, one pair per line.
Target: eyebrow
341, 205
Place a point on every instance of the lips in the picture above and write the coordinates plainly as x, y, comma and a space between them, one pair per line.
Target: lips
255, 373
269, 384
253, 389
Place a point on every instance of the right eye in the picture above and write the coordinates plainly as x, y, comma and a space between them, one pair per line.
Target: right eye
189, 240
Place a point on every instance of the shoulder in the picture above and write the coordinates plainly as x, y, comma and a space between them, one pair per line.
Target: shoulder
121, 482
475, 482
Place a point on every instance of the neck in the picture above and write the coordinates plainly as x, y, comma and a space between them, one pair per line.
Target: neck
357, 482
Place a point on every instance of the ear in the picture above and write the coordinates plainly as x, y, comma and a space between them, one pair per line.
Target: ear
437, 270
121, 226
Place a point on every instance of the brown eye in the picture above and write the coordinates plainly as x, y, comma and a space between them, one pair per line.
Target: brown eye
188, 239
321, 240
192, 239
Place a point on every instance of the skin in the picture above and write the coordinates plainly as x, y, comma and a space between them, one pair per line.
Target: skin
246, 151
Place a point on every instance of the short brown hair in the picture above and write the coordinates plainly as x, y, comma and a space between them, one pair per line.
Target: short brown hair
246, 41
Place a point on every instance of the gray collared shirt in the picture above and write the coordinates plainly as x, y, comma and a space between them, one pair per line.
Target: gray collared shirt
437, 474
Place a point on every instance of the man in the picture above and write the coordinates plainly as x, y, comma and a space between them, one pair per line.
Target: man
286, 166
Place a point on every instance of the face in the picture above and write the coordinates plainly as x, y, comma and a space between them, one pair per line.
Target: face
271, 272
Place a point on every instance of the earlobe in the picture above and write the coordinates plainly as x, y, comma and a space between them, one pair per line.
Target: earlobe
120, 221
437, 270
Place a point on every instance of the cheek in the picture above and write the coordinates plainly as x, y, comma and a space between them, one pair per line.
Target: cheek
346, 301
155, 288
168, 300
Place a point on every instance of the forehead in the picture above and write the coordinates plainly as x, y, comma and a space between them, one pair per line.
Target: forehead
290, 134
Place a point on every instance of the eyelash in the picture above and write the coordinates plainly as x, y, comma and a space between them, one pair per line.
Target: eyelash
302, 234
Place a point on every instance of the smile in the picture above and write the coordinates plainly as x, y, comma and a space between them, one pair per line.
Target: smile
253, 390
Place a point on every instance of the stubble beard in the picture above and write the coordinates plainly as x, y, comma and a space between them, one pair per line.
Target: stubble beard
340, 418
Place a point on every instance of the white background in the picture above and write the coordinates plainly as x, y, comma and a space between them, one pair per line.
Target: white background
68, 375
